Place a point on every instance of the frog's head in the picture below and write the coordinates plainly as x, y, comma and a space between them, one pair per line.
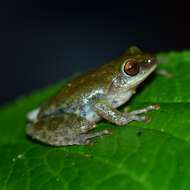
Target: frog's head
136, 67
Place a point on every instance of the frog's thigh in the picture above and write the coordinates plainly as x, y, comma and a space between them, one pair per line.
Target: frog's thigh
67, 129
114, 116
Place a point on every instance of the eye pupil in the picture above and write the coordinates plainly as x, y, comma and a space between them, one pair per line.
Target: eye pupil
131, 67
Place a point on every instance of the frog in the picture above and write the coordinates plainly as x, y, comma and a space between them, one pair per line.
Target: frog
70, 116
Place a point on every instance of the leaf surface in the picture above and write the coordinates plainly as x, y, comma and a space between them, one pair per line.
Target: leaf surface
143, 156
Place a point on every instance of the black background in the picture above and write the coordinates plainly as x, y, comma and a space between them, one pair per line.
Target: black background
42, 42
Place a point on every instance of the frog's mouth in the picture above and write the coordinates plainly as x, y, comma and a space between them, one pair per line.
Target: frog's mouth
147, 72
142, 75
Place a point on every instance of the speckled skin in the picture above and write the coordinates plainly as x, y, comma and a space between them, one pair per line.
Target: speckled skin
68, 117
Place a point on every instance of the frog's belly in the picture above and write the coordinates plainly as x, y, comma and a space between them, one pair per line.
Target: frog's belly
92, 116
115, 102
88, 113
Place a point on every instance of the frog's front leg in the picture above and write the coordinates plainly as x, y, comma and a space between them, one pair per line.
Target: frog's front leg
145, 110
111, 114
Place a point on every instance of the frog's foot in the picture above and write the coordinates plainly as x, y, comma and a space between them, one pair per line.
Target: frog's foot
85, 138
164, 73
145, 110
135, 115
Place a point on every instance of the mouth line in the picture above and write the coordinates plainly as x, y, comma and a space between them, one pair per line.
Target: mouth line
149, 72
143, 78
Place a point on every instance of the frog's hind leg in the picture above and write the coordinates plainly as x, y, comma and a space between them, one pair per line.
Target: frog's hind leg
85, 138
67, 129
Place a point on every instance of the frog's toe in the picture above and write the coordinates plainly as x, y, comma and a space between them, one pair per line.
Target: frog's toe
86, 138
144, 118
145, 110
98, 134
88, 142
147, 119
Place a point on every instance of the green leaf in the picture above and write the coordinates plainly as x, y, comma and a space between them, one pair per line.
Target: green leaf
143, 156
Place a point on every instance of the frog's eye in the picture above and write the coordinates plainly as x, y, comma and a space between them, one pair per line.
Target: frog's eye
131, 67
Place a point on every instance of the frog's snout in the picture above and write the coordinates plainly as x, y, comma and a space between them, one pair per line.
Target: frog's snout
151, 61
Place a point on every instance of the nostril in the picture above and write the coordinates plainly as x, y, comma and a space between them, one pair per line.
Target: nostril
151, 61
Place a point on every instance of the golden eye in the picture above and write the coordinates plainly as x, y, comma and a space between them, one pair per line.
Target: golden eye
131, 67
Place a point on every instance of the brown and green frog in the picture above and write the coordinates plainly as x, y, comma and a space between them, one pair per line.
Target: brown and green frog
70, 116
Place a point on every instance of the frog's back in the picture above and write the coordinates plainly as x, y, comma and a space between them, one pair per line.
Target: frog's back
83, 85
